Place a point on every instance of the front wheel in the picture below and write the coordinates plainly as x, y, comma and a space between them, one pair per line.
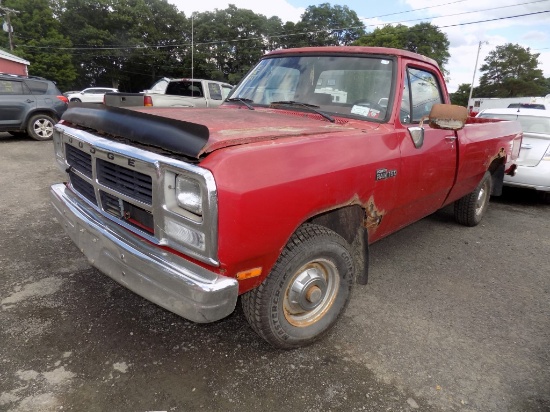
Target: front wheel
470, 209
40, 127
306, 291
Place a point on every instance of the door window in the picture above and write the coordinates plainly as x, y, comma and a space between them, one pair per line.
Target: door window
215, 91
420, 93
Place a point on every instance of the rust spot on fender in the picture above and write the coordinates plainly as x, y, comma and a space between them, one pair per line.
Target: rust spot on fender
500, 155
373, 215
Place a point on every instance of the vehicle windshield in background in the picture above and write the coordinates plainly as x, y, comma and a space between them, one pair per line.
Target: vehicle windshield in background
526, 106
529, 124
348, 86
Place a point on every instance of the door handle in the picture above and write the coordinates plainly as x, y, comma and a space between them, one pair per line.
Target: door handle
526, 146
29, 101
451, 138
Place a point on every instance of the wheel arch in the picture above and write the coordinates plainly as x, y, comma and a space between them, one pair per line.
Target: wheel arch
496, 168
348, 222
34, 112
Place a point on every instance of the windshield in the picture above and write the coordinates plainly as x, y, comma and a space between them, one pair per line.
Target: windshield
344, 85
529, 124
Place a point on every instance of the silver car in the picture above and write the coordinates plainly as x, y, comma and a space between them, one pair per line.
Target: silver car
534, 157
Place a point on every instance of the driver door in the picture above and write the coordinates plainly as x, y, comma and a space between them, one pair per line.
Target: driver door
430, 168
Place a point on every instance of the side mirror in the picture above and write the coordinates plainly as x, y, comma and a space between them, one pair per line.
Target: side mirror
447, 116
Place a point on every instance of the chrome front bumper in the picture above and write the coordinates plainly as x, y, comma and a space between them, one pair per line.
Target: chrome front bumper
174, 283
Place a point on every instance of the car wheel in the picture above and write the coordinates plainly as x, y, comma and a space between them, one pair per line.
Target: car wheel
470, 209
76, 100
306, 291
40, 127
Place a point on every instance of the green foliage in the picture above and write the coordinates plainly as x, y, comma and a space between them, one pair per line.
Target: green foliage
125, 43
511, 71
326, 25
37, 37
422, 38
132, 43
247, 35
460, 97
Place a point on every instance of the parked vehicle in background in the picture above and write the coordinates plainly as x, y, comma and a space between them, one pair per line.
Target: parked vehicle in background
174, 93
91, 94
277, 195
67, 93
533, 170
478, 104
30, 106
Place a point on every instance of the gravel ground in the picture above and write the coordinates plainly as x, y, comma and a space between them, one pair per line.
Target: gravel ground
453, 319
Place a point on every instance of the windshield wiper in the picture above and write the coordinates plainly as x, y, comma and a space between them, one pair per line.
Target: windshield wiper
243, 101
312, 107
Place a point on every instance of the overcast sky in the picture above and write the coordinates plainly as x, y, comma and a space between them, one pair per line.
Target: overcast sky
452, 17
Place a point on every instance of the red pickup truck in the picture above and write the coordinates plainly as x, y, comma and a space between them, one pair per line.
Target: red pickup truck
276, 196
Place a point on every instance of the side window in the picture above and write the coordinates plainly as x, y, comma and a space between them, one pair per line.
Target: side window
215, 91
10, 87
36, 86
421, 92
225, 91
185, 88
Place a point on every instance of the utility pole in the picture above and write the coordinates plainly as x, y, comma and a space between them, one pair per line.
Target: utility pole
475, 69
6, 11
192, 46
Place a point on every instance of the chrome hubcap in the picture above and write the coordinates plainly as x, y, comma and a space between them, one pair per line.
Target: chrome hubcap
481, 199
306, 291
311, 292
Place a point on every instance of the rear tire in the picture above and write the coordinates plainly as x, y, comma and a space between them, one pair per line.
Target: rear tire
305, 293
40, 127
470, 209
76, 100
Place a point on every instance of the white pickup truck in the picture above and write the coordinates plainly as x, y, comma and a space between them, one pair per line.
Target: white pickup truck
174, 93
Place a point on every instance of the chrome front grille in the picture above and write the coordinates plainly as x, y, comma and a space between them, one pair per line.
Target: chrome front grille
79, 160
117, 190
137, 189
128, 182
83, 187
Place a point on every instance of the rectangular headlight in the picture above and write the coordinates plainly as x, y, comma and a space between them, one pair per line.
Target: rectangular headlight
189, 194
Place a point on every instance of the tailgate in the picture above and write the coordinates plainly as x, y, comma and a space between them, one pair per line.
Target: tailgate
123, 99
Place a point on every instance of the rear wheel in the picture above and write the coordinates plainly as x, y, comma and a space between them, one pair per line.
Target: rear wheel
306, 291
470, 209
76, 100
40, 127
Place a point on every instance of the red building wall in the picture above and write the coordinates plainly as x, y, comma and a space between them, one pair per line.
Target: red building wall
7, 66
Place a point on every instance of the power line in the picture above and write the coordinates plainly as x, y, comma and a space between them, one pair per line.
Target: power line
220, 42
282, 35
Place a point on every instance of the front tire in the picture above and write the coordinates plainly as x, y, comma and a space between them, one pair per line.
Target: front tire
470, 209
305, 293
40, 127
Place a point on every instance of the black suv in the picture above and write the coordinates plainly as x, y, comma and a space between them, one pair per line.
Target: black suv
30, 106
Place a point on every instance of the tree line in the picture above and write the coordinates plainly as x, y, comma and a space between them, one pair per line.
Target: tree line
129, 44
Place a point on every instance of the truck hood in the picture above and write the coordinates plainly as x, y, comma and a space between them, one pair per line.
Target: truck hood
194, 132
